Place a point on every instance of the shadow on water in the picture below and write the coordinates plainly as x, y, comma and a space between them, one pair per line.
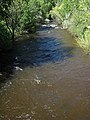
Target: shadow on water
42, 50
34, 52
6, 67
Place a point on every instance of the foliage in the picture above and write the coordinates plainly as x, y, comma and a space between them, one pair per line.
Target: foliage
22, 15
30, 16
45, 6
5, 41
75, 15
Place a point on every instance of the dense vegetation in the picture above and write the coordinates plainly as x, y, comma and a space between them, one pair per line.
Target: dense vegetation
75, 15
17, 16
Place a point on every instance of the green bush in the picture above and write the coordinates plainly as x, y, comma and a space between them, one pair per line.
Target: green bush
30, 17
21, 15
5, 38
75, 15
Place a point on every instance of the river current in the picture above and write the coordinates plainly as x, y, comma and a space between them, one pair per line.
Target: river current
48, 78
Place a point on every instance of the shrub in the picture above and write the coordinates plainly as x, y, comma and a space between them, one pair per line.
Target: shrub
5, 38
75, 15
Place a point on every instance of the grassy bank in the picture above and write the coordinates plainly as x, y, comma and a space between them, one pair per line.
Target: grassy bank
75, 15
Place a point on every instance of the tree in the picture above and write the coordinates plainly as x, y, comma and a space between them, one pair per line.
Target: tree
19, 15
4, 33
12, 17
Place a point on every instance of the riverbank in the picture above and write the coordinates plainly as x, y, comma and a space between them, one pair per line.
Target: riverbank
75, 16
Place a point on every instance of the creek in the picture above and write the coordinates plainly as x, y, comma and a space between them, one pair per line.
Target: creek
47, 77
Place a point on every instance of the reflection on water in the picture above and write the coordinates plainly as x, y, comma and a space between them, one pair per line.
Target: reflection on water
53, 84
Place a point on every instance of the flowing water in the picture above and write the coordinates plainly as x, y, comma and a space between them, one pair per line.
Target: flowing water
46, 78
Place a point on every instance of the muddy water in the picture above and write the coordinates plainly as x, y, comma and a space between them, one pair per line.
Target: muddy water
50, 80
